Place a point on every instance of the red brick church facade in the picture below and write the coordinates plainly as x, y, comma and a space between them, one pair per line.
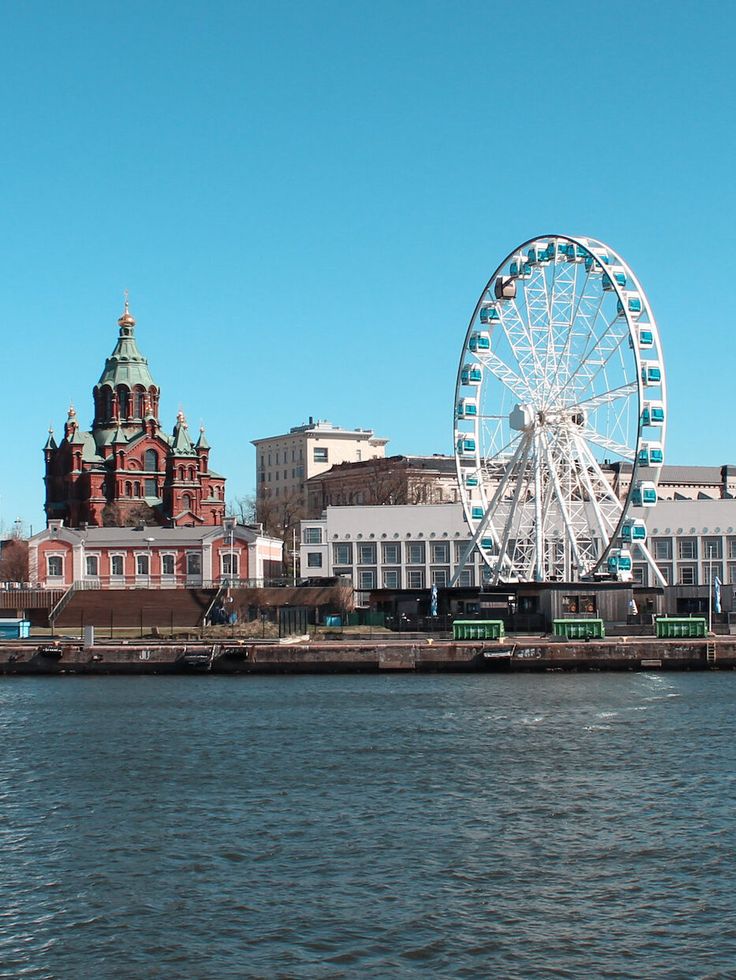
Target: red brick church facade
126, 469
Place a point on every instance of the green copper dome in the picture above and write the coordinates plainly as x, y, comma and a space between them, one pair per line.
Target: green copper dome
126, 365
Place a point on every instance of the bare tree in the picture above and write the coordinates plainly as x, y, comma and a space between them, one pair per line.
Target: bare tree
243, 509
14, 561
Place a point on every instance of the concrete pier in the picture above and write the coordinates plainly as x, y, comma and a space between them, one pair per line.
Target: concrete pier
527, 654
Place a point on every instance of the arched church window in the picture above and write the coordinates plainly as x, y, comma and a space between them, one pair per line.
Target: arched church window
139, 403
186, 501
124, 402
128, 489
150, 460
136, 489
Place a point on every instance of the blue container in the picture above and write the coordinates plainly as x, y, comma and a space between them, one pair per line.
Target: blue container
14, 629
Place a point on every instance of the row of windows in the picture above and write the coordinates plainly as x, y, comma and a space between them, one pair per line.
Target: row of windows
129, 404
687, 548
279, 457
297, 473
229, 564
687, 574
413, 578
415, 552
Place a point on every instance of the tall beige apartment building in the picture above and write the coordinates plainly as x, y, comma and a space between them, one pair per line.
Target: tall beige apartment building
284, 463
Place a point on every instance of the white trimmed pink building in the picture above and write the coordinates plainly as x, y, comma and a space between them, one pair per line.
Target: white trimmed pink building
152, 557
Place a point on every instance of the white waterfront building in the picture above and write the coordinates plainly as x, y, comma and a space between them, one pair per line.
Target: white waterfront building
404, 546
414, 546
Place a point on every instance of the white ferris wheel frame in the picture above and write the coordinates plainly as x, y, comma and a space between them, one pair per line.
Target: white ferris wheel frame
529, 480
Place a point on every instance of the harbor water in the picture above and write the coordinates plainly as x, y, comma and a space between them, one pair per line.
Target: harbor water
560, 825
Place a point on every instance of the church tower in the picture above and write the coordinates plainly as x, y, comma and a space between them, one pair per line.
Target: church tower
127, 471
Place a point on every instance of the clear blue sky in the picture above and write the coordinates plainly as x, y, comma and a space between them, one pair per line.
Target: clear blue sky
305, 199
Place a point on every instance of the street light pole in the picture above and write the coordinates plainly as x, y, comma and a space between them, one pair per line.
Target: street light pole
710, 588
149, 542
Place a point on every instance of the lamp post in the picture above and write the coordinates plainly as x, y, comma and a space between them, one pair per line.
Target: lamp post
149, 542
710, 588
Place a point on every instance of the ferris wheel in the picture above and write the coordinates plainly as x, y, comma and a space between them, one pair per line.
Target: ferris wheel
560, 415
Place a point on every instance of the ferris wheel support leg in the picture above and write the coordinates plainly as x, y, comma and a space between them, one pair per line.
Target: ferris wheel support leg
647, 556
601, 519
538, 516
563, 507
512, 511
485, 521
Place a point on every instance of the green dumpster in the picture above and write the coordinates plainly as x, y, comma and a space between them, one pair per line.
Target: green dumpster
679, 627
478, 629
579, 629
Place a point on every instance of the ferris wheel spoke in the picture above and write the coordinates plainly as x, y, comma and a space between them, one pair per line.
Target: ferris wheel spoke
594, 366
618, 448
520, 340
505, 374
503, 450
623, 391
581, 329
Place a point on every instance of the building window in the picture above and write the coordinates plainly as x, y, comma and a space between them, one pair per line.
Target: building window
141, 564
342, 554
573, 604
415, 555
366, 554
150, 460
312, 535
229, 563
712, 548
55, 566
687, 574
732, 573
711, 570
314, 559
366, 579
687, 549
666, 571
194, 563
391, 555
415, 578
465, 579
440, 551
391, 578
440, 577
460, 548
662, 549
116, 565
731, 544
92, 565
167, 564
151, 488
638, 575
320, 454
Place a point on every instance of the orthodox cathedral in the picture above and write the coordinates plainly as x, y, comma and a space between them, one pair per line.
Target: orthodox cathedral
127, 470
